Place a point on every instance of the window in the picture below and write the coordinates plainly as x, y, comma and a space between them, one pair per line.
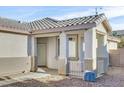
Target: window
72, 46
58, 46
72, 43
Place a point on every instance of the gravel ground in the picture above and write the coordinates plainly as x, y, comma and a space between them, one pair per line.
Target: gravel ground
114, 78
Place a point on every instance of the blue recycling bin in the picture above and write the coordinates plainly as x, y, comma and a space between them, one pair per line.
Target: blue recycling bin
90, 76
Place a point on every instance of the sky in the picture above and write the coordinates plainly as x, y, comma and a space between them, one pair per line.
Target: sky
115, 14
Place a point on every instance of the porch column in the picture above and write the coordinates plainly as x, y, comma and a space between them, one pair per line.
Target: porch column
63, 64
90, 50
102, 52
33, 54
106, 53
80, 48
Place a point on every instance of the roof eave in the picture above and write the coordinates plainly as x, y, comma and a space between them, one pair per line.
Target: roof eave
67, 28
114, 39
107, 25
16, 31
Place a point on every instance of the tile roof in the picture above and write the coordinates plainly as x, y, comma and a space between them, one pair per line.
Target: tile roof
13, 24
49, 23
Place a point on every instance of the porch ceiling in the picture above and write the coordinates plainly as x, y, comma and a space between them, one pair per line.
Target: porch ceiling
73, 32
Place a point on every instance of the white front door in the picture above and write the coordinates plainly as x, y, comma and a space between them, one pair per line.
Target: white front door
42, 53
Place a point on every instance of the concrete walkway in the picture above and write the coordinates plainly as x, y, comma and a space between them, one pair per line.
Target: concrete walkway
41, 73
113, 78
21, 77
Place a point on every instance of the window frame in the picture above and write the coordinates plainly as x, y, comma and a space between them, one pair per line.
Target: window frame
58, 47
76, 49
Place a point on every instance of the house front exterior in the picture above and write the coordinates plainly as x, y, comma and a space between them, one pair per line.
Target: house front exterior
80, 43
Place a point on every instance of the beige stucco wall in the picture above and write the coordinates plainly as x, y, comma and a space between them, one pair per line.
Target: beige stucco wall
112, 45
101, 28
13, 54
52, 60
13, 45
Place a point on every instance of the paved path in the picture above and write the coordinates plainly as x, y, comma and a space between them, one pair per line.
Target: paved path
20, 78
113, 78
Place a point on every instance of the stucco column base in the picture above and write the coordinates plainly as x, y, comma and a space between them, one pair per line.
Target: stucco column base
63, 67
89, 65
28, 64
103, 64
33, 64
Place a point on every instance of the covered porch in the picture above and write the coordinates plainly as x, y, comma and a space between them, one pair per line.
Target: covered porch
72, 52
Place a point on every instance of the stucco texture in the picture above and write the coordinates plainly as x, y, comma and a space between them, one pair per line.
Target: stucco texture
13, 54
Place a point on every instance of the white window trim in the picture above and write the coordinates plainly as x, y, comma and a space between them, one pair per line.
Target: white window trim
57, 47
76, 49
